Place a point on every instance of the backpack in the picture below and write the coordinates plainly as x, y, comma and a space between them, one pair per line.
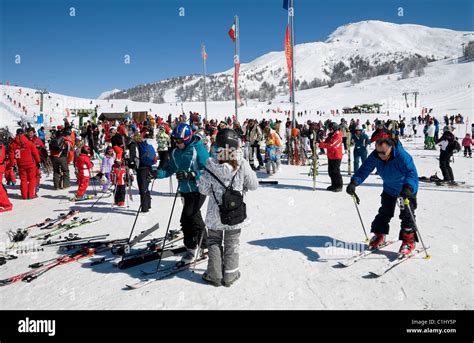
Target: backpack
147, 154
454, 146
232, 209
56, 144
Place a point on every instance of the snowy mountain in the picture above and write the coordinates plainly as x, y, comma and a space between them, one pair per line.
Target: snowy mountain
106, 94
364, 49
445, 87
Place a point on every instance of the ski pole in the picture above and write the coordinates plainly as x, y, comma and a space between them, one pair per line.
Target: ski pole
199, 248
167, 229
94, 186
134, 223
356, 199
406, 202
101, 196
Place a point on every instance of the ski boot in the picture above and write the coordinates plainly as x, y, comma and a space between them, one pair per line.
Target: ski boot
188, 257
376, 241
228, 283
408, 243
211, 281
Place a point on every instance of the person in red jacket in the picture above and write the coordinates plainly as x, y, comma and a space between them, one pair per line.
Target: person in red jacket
31, 135
5, 204
333, 144
28, 159
10, 176
119, 179
83, 169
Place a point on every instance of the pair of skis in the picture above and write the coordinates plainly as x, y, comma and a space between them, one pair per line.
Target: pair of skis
40, 268
153, 251
165, 272
75, 223
46, 224
385, 268
90, 197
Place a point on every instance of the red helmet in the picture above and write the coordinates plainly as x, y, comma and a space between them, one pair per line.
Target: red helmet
86, 150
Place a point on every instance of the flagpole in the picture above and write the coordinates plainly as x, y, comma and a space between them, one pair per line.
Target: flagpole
291, 13
236, 55
204, 57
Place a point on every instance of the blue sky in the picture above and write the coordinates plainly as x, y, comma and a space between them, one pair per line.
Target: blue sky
84, 55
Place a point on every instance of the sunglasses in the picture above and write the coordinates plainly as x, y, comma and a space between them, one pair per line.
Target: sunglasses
179, 141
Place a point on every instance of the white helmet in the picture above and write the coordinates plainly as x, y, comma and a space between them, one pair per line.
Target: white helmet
359, 127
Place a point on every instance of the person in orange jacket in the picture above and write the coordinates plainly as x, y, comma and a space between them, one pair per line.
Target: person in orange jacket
333, 144
28, 159
83, 168
70, 139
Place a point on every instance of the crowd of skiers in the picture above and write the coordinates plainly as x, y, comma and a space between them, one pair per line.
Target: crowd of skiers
218, 160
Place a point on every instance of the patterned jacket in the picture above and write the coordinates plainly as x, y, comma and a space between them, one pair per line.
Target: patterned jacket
246, 179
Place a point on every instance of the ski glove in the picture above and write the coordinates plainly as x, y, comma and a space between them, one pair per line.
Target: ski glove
182, 175
351, 188
152, 174
407, 192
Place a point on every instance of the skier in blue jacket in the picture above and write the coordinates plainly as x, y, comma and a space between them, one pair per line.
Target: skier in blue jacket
400, 179
360, 141
187, 160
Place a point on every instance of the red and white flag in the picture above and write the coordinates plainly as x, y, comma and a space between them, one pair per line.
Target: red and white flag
232, 33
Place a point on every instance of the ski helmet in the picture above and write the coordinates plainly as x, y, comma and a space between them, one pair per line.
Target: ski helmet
85, 150
358, 128
227, 138
333, 126
183, 131
446, 128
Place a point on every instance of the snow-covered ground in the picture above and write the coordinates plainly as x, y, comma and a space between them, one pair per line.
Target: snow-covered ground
288, 253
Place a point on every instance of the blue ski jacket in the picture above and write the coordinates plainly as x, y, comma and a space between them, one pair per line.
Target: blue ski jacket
398, 171
191, 158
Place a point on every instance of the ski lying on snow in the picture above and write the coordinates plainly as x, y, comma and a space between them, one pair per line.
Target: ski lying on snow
166, 273
362, 254
392, 264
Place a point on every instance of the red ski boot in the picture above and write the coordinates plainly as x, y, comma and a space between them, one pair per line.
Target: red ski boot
408, 243
376, 241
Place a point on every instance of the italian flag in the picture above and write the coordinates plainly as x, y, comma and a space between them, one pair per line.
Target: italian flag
232, 33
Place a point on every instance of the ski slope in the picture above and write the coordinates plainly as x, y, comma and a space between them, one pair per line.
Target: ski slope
288, 254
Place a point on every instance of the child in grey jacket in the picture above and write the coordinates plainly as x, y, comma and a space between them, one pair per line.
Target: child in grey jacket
223, 240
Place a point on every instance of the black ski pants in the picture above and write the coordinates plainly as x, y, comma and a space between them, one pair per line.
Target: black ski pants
143, 184
387, 211
191, 220
445, 166
334, 171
